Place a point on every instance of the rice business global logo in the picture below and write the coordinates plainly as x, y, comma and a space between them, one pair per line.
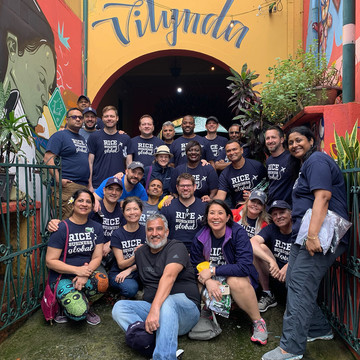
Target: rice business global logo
142, 17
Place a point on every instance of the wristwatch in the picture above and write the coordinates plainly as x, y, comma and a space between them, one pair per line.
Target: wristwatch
212, 272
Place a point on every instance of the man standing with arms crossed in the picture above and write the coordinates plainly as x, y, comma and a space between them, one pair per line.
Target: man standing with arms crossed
107, 149
74, 154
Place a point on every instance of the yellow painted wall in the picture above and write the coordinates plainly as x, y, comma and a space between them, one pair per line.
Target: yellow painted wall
269, 35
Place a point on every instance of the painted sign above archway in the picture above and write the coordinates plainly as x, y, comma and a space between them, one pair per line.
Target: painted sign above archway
231, 31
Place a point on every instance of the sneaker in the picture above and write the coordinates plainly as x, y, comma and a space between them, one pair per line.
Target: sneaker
92, 318
61, 319
266, 301
277, 354
260, 333
328, 336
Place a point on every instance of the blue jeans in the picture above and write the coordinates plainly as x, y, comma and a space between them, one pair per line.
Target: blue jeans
303, 317
178, 315
127, 288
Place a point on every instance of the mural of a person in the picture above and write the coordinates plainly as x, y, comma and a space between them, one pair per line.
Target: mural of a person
28, 65
28, 58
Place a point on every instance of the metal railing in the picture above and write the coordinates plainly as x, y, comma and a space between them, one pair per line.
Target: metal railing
25, 212
341, 287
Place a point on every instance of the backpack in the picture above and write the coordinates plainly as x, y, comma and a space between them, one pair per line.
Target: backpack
49, 304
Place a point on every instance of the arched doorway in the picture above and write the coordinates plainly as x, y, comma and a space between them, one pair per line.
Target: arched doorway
167, 85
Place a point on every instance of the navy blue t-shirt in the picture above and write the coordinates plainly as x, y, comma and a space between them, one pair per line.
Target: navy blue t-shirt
110, 153
216, 253
278, 243
74, 155
217, 144
177, 148
127, 242
143, 149
279, 173
184, 222
250, 228
318, 172
234, 181
110, 220
148, 210
82, 241
206, 178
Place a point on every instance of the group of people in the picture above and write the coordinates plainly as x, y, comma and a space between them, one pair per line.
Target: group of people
143, 213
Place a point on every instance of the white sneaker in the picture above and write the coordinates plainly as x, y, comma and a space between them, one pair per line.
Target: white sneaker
179, 353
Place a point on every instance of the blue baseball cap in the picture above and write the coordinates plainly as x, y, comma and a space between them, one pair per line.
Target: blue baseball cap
114, 180
89, 109
139, 339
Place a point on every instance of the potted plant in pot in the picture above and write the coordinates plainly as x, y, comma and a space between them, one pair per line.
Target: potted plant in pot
297, 82
13, 131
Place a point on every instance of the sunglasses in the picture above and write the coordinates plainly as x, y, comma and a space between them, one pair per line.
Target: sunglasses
74, 117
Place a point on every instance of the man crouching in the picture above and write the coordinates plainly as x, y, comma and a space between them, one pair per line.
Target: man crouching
171, 297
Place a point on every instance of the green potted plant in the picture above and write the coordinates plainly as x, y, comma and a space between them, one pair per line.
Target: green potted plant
13, 131
247, 106
297, 82
348, 153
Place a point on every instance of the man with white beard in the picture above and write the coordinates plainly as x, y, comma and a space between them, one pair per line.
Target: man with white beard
171, 297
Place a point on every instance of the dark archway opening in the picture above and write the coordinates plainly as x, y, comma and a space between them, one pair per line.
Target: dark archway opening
151, 87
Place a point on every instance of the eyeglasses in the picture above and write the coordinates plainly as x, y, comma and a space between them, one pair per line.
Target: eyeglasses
234, 132
185, 185
74, 117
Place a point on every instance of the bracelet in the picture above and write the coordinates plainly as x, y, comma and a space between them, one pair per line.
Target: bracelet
312, 237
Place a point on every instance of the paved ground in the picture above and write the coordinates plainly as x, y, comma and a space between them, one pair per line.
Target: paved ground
38, 340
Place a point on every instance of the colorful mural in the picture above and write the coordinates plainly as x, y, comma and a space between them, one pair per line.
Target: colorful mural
323, 20
41, 52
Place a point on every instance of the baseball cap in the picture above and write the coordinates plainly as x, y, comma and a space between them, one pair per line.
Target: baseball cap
138, 339
212, 118
135, 165
114, 180
163, 150
259, 195
279, 204
83, 97
89, 109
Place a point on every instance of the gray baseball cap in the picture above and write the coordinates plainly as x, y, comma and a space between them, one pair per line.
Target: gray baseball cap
259, 195
135, 165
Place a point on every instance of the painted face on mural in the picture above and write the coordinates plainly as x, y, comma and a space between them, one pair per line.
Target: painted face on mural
33, 74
